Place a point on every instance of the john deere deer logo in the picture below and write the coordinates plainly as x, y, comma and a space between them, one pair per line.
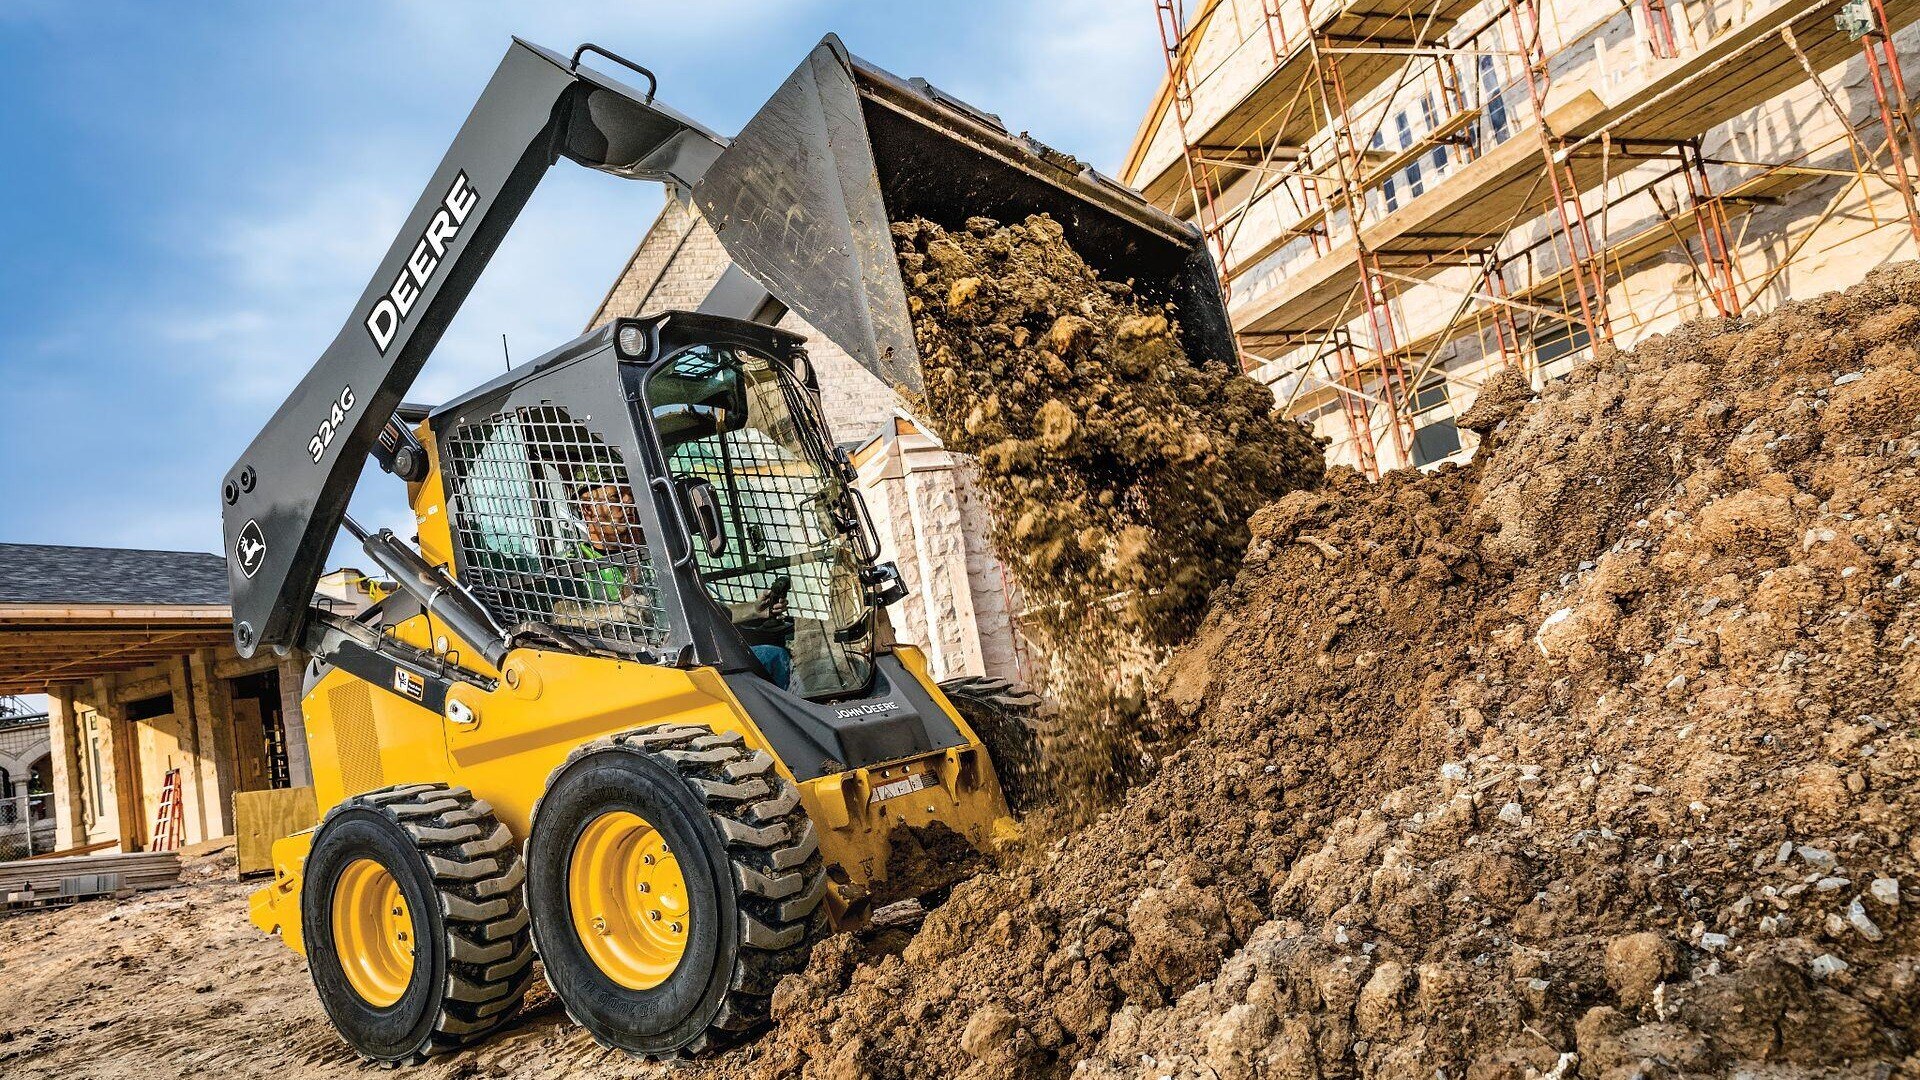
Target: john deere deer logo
251, 548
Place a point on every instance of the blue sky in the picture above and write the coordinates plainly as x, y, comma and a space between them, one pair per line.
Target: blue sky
194, 195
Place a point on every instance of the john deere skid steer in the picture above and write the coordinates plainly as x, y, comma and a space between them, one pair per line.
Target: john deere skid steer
633, 705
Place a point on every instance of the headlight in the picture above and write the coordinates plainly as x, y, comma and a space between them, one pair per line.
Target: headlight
631, 340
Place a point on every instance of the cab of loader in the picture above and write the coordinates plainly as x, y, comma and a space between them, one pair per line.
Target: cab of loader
666, 489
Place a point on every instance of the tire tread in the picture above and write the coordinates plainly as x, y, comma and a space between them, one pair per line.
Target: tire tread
779, 877
476, 871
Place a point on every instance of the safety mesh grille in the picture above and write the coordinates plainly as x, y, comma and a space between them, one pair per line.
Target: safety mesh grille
773, 504
788, 572
543, 516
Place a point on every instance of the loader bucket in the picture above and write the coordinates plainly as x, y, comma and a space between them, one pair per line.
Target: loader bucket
803, 199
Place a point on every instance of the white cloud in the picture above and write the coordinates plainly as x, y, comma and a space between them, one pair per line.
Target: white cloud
1078, 75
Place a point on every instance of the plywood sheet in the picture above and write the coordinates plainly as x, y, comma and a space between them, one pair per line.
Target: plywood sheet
263, 817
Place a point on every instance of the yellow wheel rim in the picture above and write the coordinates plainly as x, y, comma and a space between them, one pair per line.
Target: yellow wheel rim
629, 900
373, 933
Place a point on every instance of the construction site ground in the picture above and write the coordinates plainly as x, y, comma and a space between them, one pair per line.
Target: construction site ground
177, 983
1597, 757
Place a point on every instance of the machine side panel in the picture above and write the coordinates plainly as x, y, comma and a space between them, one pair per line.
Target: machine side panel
362, 738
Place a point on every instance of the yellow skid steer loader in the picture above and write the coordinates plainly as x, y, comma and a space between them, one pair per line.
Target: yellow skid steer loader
633, 704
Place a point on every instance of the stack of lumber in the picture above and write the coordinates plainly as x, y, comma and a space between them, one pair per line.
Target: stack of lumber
36, 882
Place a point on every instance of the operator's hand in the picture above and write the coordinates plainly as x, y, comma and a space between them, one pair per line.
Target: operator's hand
771, 605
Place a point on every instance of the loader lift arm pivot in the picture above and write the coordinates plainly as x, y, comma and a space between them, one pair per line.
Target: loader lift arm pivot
285, 499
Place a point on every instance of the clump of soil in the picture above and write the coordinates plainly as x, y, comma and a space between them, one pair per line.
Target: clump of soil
1120, 471
1599, 756
1117, 463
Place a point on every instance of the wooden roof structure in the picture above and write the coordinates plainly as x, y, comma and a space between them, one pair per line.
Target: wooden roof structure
68, 614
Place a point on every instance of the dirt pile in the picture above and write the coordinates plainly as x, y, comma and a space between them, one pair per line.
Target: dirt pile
1597, 757
1120, 471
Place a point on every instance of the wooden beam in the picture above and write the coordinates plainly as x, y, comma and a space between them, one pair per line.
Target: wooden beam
83, 632
122, 753
36, 684
117, 612
233, 667
127, 689
107, 656
213, 724
28, 657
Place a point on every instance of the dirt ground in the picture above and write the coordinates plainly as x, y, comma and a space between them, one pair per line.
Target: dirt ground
1599, 757
177, 983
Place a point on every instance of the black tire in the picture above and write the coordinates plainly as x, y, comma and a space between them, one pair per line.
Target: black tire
460, 873
753, 891
1010, 721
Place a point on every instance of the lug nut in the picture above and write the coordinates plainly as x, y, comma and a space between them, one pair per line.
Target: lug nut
654, 915
676, 928
644, 887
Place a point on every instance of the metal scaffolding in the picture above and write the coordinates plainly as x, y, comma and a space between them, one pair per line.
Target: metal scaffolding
1339, 154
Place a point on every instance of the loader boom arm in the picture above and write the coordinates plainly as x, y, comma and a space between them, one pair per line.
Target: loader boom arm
284, 500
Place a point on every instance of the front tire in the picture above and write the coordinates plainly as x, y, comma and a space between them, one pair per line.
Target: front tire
415, 927
1010, 721
673, 879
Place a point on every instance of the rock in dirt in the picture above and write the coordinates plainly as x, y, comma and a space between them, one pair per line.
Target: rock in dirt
1637, 963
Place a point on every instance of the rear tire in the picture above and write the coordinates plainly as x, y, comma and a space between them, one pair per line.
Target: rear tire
1010, 721
415, 928
748, 877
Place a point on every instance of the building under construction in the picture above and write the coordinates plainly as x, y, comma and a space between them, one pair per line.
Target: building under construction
1408, 195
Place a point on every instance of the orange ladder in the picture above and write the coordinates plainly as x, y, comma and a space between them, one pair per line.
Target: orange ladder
169, 825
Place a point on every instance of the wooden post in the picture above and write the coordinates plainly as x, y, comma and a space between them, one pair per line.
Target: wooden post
213, 721
293, 723
69, 797
193, 809
123, 750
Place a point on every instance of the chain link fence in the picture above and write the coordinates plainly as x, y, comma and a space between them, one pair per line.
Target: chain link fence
26, 826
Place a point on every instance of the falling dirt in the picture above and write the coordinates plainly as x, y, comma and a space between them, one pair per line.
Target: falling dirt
1598, 757
1117, 464
1120, 472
